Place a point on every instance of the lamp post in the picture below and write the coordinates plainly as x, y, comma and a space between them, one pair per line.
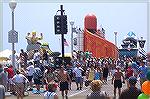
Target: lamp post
116, 43
115, 38
72, 23
13, 35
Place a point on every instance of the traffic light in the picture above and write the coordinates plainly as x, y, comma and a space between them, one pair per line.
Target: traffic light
57, 23
64, 24
60, 22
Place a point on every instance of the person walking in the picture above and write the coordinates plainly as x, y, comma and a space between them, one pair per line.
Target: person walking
29, 73
105, 72
23, 59
49, 76
91, 74
128, 73
77, 72
19, 80
98, 74
11, 74
64, 80
143, 69
132, 92
45, 57
117, 81
37, 76
36, 57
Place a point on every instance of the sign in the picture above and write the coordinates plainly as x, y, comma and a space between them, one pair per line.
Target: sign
12, 36
142, 43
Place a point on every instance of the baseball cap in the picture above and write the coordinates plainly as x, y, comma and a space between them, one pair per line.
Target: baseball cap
132, 80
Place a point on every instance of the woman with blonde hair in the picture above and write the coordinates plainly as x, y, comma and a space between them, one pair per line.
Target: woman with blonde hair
97, 93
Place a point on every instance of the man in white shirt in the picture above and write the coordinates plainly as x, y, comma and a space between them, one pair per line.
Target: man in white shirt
29, 73
16, 60
36, 57
19, 80
78, 76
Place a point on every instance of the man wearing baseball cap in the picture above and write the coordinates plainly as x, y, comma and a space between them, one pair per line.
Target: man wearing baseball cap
132, 92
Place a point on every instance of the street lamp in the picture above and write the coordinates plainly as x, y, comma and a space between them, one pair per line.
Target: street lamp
13, 35
71, 23
115, 43
115, 38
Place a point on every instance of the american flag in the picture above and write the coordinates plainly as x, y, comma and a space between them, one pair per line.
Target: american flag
65, 42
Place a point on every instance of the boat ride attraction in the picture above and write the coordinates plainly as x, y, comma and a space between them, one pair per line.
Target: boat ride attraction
94, 41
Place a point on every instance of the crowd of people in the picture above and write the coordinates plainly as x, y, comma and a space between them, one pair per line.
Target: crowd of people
85, 69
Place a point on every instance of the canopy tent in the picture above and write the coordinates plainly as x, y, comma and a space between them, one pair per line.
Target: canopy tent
5, 54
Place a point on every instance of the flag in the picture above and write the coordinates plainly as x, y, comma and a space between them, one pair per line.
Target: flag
65, 42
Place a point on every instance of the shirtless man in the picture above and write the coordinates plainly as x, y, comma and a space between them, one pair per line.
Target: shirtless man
117, 81
64, 80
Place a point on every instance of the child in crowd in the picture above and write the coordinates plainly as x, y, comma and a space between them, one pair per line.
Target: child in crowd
51, 93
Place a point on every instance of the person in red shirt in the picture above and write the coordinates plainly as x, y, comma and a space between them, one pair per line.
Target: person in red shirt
10, 76
129, 73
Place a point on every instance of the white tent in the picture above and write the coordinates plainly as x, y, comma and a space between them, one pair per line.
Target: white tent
5, 53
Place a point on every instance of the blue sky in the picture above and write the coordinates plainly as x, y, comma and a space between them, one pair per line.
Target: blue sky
120, 17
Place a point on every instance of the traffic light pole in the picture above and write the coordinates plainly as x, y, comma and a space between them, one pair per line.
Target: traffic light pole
62, 37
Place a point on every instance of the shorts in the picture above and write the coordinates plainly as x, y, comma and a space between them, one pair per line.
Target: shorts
19, 88
29, 78
78, 79
37, 81
64, 86
117, 84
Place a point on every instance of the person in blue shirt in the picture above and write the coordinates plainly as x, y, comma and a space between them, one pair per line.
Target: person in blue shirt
98, 74
143, 69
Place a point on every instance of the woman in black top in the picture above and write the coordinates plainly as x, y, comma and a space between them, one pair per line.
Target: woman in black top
105, 72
